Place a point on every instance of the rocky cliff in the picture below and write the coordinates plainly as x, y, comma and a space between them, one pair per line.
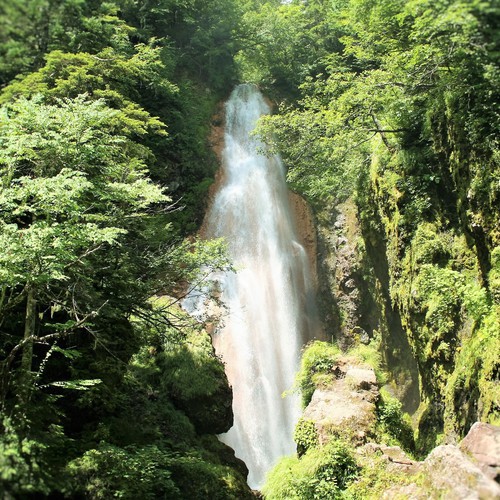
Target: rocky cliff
348, 407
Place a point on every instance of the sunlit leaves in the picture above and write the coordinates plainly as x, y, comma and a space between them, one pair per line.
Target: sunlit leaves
110, 75
79, 134
71, 181
286, 43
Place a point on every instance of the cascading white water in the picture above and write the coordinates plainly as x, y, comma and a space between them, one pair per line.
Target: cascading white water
267, 299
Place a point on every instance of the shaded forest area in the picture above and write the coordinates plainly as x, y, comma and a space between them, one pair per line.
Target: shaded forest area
105, 110
105, 165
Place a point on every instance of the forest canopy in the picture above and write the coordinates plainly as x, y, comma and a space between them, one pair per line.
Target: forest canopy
104, 116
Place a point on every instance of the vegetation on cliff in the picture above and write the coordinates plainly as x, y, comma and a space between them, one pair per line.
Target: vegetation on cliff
394, 105
354, 441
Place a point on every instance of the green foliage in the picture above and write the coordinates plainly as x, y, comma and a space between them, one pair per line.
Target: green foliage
198, 479
21, 461
27, 460
394, 103
206, 398
448, 310
165, 456
205, 33
321, 473
109, 75
375, 478
113, 472
73, 180
305, 435
317, 365
32, 28
494, 275
370, 354
393, 423
89, 237
284, 45
475, 378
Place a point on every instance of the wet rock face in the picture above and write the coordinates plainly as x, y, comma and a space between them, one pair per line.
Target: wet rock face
346, 405
306, 230
482, 443
341, 283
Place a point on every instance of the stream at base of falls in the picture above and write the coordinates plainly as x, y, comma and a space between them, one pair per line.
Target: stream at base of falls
269, 298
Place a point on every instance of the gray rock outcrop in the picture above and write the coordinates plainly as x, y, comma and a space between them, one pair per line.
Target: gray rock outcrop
446, 474
483, 444
346, 405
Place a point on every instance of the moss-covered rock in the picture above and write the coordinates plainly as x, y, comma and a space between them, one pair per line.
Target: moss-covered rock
344, 391
160, 439
197, 383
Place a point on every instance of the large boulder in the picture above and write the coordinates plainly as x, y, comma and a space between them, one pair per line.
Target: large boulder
483, 444
446, 474
346, 405
449, 474
197, 384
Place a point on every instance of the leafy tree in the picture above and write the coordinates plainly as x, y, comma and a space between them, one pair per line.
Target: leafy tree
71, 184
89, 89
33, 28
284, 44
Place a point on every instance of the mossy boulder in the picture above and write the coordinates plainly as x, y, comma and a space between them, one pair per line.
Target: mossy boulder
346, 405
198, 385
447, 472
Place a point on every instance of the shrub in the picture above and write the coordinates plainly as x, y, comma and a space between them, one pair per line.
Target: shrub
371, 355
305, 435
394, 425
319, 358
321, 474
113, 472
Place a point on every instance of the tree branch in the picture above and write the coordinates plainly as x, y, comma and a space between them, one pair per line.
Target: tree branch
382, 132
44, 339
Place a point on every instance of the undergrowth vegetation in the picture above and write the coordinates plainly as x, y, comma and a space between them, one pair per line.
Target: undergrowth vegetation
322, 473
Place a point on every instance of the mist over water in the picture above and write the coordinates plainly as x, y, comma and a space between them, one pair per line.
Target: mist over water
269, 311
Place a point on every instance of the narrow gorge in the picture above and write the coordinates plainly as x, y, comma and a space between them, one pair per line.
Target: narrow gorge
263, 318
249, 249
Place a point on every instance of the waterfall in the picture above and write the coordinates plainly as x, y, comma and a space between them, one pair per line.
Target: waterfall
267, 298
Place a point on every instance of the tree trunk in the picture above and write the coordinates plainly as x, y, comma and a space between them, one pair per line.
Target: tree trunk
29, 332
382, 133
